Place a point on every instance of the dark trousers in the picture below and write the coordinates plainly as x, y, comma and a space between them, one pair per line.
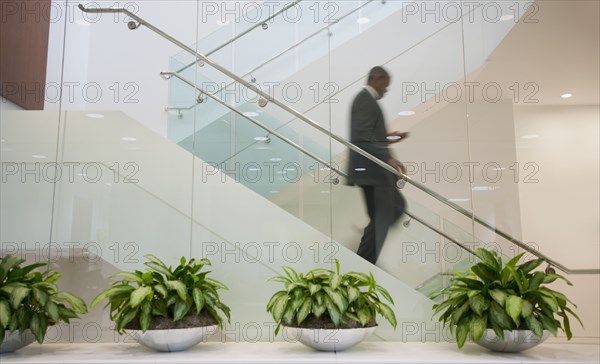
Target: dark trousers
385, 205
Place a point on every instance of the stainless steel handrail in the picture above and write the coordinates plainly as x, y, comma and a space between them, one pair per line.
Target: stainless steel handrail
256, 122
314, 34
260, 23
341, 140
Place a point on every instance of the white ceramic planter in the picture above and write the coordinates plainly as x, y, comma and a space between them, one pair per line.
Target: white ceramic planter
514, 341
173, 339
329, 339
15, 341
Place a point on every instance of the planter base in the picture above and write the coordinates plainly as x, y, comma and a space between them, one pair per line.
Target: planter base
174, 339
15, 341
514, 341
329, 339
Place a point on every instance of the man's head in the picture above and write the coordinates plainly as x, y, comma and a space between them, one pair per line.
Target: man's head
379, 79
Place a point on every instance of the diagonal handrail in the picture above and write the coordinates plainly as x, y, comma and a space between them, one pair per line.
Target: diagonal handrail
267, 98
275, 57
233, 39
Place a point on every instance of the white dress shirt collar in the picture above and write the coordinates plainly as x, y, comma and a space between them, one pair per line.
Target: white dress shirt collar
373, 92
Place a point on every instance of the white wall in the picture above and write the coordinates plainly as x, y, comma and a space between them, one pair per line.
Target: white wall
560, 203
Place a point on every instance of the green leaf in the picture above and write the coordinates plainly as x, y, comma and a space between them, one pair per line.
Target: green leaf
387, 313
304, 310
313, 288
279, 307
318, 308
384, 293
552, 277
527, 309
499, 317
77, 303
353, 294
160, 269
130, 277
513, 262
477, 326
334, 281
179, 287
364, 315
40, 296
198, 299
139, 295
459, 312
549, 324
488, 257
332, 310
530, 265
38, 326
360, 277
534, 325
274, 299
498, 295
180, 310
288, 315
216, 284
478, 304
485, 272
461, 335
52, 310
513, 307
291, 273
111, 292
145, 319
161, 289
5, 314
17, 296
337, 298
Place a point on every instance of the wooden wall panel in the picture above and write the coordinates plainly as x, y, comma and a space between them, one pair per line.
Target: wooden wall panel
24, 31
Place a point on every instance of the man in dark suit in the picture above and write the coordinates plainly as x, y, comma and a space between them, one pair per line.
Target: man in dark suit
385, 204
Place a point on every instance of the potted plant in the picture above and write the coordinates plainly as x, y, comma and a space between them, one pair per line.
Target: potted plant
166, 309
30, 302
327, 310
504, 307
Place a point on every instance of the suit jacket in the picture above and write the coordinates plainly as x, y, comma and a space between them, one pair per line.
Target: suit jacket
368, 132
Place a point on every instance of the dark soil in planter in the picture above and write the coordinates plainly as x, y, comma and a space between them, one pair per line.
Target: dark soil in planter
162, 323
324, 322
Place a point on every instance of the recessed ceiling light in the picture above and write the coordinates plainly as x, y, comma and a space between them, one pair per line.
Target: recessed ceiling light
95, 116
253, 169
530, 136
360, 169
275, 159
459, 199
260, 138
129, 139
250, 114
325, 191
406, 113
566, 96
38, 156
262, 148
363, 20
273, 191
507, 17
393, 137
485, 188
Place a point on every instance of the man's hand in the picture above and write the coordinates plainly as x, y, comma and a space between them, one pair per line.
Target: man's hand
397, 165
396, 136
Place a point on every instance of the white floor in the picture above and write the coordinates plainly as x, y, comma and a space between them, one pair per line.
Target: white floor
281, 352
